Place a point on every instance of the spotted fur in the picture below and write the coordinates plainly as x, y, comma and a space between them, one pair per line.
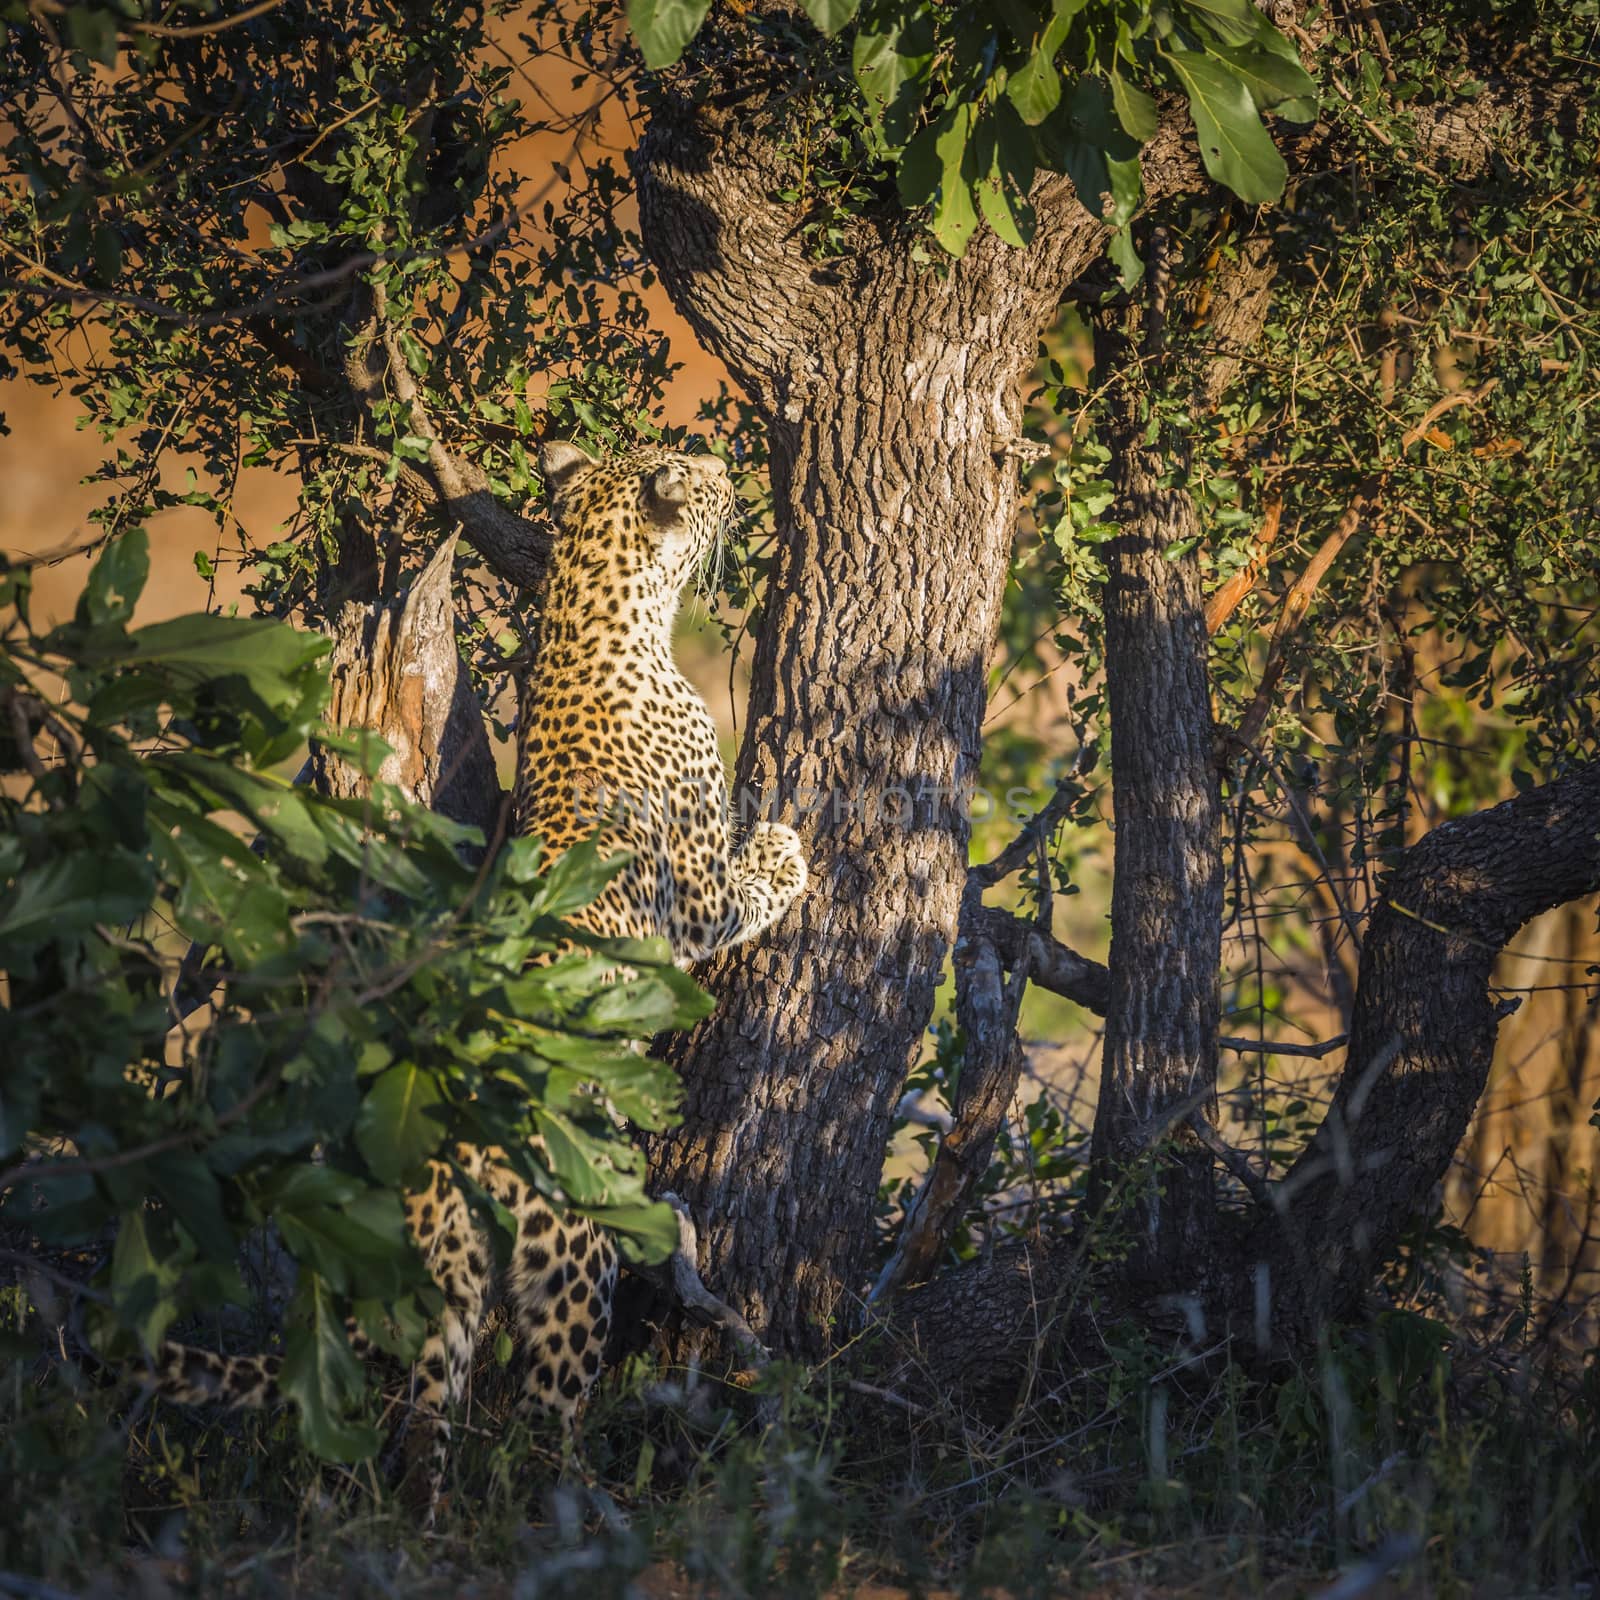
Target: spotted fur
611, 731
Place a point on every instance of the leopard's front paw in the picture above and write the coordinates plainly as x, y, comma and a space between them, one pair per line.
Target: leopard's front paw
773, 852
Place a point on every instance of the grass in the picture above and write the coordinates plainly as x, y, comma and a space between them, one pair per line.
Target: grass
1469, 1462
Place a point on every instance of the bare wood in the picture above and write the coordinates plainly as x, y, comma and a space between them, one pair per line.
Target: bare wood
1229, 596
1295, 605
395, 671
1461, 397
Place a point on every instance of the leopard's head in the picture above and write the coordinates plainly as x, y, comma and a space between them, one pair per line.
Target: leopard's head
652, 511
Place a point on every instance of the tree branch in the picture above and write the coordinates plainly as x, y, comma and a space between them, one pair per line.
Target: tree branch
1422, 1037
1295, 605
1229, 596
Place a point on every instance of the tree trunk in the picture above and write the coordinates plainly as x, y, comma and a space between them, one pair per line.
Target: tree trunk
1159, 1060
893, 392
1421, 1040
396, 672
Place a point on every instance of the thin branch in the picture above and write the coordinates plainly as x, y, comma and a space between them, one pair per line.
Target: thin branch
1295, 605
1227, 599
682, 1279
162, 30
1050, 964
1234, 1160
1461, 397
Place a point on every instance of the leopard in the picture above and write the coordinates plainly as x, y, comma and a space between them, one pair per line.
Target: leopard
613, 741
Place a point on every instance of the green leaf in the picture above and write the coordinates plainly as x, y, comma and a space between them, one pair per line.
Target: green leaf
1236, 149
891, 58
1084, 138
93, 31
224, 894
831, 15
275, 661
1232, 21
1035, 88
322, 1376
65, 898
185, 1182
665, 27
117, 579
394, 1132
646, 1233
1275, 83
577, 876
142, 1283
1136, 111
941, 153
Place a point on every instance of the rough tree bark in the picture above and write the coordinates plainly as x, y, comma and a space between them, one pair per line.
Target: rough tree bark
1159, 1060
893, 395
396, 671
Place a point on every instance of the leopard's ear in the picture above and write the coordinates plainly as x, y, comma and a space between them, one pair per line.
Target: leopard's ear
666, 490
560, 461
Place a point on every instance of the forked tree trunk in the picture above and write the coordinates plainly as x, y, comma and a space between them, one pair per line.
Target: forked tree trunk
893, 392
396, 671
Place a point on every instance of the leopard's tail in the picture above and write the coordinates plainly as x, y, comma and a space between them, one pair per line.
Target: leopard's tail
201, 1377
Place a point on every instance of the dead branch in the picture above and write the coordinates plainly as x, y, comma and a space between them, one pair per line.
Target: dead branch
1295, 605
1227, 599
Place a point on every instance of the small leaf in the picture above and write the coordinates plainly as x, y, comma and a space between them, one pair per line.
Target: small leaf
665, 27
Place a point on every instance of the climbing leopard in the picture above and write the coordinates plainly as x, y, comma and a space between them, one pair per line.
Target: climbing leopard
611, 733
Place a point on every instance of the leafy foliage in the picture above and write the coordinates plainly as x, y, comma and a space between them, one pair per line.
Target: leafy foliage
375, 1003
195, 232
966, 103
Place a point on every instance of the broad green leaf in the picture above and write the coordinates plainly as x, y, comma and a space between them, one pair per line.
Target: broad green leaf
321, 1375
1035, 88
1275, 83
1232, 21
1136, 111
224, 895
360, 1245
117, 579
645, 1233
142, 1283
577, 876
273, 661
188, 1185
398, 1327
665, 27
394, 1131
1081, 138
945, 147
831, 15
93, 30
1236, 149
65, 898
573, 1155
890, 58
